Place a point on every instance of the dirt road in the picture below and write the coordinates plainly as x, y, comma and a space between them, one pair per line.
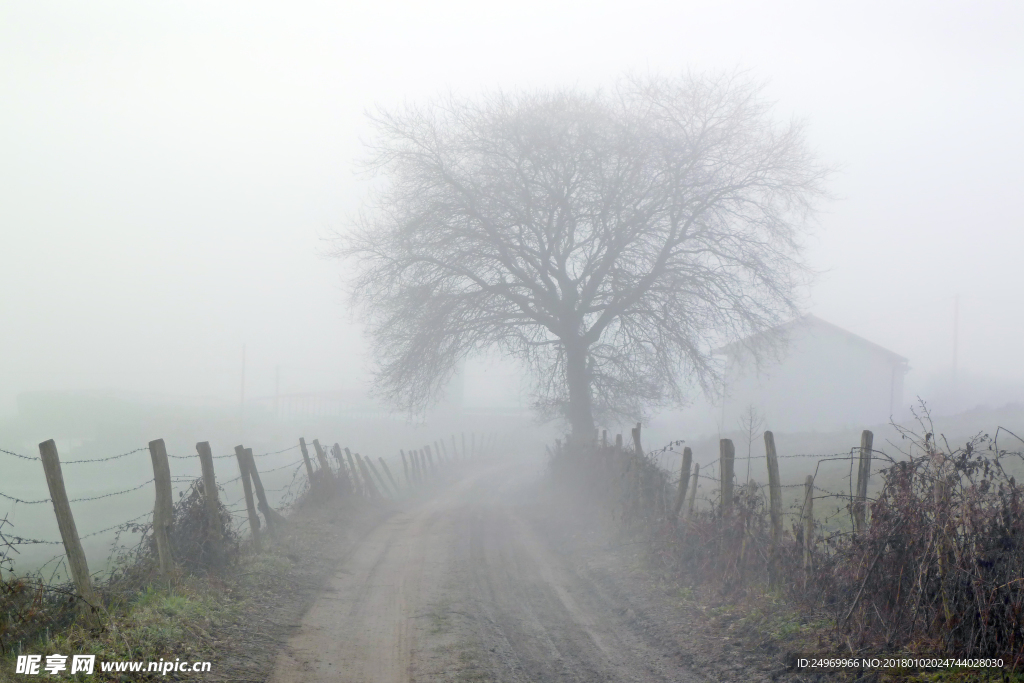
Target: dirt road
472, 585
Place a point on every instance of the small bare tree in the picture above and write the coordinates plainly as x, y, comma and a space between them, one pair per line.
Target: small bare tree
609, 241
751, 422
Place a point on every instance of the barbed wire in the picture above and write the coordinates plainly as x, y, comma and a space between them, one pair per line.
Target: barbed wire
24, 502
107, 459
19, 455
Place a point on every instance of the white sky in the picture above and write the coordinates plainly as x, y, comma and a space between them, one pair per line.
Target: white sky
166, 168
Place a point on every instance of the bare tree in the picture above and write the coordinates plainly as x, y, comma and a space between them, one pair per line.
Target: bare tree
608, 240
751, 422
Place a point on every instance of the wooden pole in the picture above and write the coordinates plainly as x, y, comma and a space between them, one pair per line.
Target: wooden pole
726, 459
863, 474
383, 486
250, 505
214, 533
322, 458
163, 510
636, 440
775, 507
343, 476
387, 471
66, 522
808, 520
305, 458
357, 476
371, 488
275, 520
405, 467
684, 481
693, 491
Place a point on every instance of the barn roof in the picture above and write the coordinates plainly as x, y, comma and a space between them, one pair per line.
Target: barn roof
810, 321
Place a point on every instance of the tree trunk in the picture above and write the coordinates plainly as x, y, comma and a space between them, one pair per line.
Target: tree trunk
580, 414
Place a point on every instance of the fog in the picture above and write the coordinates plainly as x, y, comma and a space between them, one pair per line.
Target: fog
168, 172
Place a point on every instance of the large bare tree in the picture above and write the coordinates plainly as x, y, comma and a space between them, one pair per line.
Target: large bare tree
608, 240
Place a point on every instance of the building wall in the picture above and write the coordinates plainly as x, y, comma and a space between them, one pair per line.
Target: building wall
826, 380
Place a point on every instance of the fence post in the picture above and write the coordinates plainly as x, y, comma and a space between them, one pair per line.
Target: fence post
636, 440
66, 522
250, 506
684, 481
163, 512
405, 467
444, 448
618, 442
693, 491
346, 482
726, 460
305, 458
808, 520
430, 458
274, 519
357, 479
863, 474
214, 535
775, 507
371, 488
383, 486
387, 471
322, 459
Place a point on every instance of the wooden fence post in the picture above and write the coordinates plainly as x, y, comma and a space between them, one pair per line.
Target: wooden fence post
693, 491
618, 442
357, 478
863, 474
66, 522
684, 481
250, 506
371, 488
726, 460
775, 507
387, 471
305, 458
343, 477
214, 533
808, 520
444, 448
405, 467
322, 459
636, 440
163, 510
383, 485
275, 520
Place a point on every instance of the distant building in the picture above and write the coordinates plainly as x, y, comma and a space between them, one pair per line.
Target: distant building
823, 378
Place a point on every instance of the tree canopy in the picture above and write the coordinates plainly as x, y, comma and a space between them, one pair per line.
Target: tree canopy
608, 240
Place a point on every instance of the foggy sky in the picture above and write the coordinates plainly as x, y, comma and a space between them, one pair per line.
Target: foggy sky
167, 169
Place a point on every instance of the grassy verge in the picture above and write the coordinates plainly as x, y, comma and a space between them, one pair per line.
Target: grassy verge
236, 619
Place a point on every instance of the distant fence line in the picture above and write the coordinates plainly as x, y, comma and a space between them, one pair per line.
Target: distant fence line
343, 474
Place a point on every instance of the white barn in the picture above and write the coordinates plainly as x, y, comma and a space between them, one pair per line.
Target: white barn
824, 378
